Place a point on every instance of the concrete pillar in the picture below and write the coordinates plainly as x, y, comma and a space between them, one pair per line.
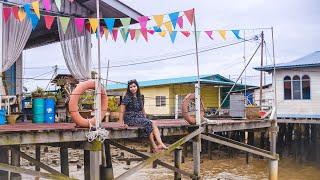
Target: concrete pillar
273, 164
196, 156
107, 171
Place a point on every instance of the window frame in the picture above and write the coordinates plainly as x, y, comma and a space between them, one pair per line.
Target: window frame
290, 81
300, 88
161, 101
309, 79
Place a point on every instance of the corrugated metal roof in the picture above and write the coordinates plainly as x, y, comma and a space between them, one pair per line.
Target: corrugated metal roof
210, 79
310, 60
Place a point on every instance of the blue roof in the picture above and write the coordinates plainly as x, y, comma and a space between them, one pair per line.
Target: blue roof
211, 79
310, 60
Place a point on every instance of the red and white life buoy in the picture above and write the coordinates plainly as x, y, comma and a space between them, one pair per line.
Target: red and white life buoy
185, 109
75, 97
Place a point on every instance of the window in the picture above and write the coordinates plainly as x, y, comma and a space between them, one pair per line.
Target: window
296, 87
305, 87
160, 101
287, 87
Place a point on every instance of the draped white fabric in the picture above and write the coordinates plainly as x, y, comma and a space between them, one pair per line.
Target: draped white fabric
15, 35
76, 49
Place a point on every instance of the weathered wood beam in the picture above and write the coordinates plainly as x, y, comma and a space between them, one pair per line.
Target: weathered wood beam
34, 173
160, 154
145, 156
243, 147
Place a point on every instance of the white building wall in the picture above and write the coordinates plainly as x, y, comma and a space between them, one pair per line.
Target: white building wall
303, 107
267, 96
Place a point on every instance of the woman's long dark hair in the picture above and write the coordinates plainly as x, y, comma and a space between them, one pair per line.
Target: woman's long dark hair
128, 93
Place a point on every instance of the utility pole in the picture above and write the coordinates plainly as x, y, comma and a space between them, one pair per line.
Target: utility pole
261, 64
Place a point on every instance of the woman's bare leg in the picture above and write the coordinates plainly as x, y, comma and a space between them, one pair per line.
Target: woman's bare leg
151, 138
156, 133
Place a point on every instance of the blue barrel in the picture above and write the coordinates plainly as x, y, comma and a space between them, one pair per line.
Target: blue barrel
38, 110
49, 114
2, 116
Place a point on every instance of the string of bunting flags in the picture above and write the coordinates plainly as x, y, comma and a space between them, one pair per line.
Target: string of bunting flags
161, 26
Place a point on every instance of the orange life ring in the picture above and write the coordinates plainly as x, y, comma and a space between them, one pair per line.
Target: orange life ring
185, 109
74, 99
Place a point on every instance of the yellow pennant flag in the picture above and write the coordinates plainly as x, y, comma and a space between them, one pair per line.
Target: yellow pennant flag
35, 5
223, 34
168, 26
158, 19
106, 33
94, 24
163, 33
21, 15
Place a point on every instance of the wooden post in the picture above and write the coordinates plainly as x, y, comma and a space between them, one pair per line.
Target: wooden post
107, 171
261, 72
177, 162
176, 108
87, 168
196, 156
210, 150
4, 158
93, 157
64, 161
38, 157
273, 164
15, 161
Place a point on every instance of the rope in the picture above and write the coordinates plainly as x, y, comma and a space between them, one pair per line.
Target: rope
96, 133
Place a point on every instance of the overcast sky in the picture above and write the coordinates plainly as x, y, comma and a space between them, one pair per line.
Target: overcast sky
295, 22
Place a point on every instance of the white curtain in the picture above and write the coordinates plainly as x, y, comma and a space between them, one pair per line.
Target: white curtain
15, 35
76, 49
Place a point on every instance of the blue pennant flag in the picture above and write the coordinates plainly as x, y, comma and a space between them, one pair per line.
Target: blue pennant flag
236, 33
27, 9
173, 36
34, 20
174, 18
156, 29
110, 23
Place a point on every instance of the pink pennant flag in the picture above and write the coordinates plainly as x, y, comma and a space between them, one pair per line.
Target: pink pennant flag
79, 24
15, 10
180, 22
190, 15
132, 33
144, 33
47, 4
143, 21
186, 33
209, 33
49, 20
6, 13
150, 31
115, 34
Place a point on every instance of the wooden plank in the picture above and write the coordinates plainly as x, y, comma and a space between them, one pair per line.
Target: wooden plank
298, 121
145, 156
34, 173
160, 154
196, 156
64, 161
240, 147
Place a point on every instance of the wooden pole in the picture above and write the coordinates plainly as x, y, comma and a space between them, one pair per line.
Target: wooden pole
64, 160
261, 72
38, 158
4, 158
1, 24
177, 162
196, 156
87, 168
107, 169
15, 161
273, 163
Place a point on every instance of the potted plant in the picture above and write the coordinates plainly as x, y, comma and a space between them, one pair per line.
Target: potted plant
113, 107
38, 105
38, 93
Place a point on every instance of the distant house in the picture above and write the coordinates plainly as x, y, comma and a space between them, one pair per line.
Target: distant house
160, 95
298, 87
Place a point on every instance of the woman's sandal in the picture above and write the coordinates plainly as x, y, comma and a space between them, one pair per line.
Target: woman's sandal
156, 150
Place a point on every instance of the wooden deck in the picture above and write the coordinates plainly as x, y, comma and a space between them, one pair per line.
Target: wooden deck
29, 133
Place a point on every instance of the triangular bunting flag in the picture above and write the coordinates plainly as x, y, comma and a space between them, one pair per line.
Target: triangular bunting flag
88, 27
34, 20
94, 24
137, 35
163, 33
110, 23
101, 31
35, 5
156, 29
223, 34
158, 19
197, 34
168, 26
48, 20
174, 18
58, 4
125, 21
209, 33
236, 33
79, 24
143, 21
185, 33
150, 31
22, 15
115, 34
15, 10
144, 33
106, 33
47, 4
27, 9
6, 13
180, 22
132, 33
64, 23
173, 36
190, 15
124, 33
